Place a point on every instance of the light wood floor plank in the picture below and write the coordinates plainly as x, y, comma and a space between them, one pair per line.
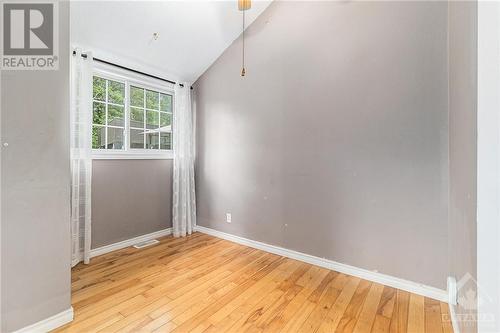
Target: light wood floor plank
351, 315
325, 304
416, 314
369, 310
291, 289
309, 282
180, 304
339, 307
232, 307
385, 311
445, 318
204, 284
251, 315
432, 316
399, 320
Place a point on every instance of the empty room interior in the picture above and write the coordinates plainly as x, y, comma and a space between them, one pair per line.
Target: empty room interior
250, 166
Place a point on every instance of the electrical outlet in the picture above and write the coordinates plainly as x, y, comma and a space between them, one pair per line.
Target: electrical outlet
228, 217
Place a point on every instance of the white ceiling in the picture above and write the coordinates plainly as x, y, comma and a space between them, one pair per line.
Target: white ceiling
192, 34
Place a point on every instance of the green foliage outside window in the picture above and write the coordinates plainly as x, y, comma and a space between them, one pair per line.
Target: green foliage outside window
99, 89
116, 114
151, 100
148, 110
116, 92
99, 113
165, 103
136, 97
152, 120
165, 119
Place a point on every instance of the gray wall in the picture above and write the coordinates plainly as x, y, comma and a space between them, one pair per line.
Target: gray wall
130, 198
336, 142
35, 247
463, 142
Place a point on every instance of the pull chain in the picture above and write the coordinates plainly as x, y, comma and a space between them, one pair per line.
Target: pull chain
243, 50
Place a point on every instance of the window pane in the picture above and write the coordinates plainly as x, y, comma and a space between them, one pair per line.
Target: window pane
166, 120
152, 99
152, 119
136, 117
165, 103
166, 141
115, 115
116, 92
137, 97
99, 89
152, 140
137, 138
99, 113
115, 138
98, 133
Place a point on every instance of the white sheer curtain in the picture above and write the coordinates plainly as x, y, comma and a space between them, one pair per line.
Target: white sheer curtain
184, 200
80, 152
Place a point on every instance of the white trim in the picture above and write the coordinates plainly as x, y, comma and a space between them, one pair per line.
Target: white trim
488, 165
77, 260
454, 319
132, 155
387, 280
452, 290
50, 323
108, 72
452, 302
129, 242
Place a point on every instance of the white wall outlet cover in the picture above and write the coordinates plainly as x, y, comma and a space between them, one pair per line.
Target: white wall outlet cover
228, 217
452, 290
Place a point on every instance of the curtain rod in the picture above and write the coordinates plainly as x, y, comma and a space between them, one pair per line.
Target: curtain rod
131, 70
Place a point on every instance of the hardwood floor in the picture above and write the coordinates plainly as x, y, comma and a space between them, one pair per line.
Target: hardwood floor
205, 284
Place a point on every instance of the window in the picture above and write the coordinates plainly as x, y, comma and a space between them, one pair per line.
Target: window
150, 119
108, 117
130, 118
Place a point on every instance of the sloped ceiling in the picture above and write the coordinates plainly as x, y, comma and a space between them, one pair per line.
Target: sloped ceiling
192, 34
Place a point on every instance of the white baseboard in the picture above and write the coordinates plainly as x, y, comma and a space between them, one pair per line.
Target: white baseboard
453, 318
129, 242
452, 302
387, 280
452, 290
49, 324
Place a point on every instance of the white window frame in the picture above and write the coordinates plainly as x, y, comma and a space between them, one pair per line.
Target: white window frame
132, 79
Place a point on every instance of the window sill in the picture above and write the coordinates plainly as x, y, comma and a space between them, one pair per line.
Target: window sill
132, 155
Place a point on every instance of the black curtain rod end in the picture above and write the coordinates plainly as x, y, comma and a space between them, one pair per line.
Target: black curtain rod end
182, 85
131, 70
